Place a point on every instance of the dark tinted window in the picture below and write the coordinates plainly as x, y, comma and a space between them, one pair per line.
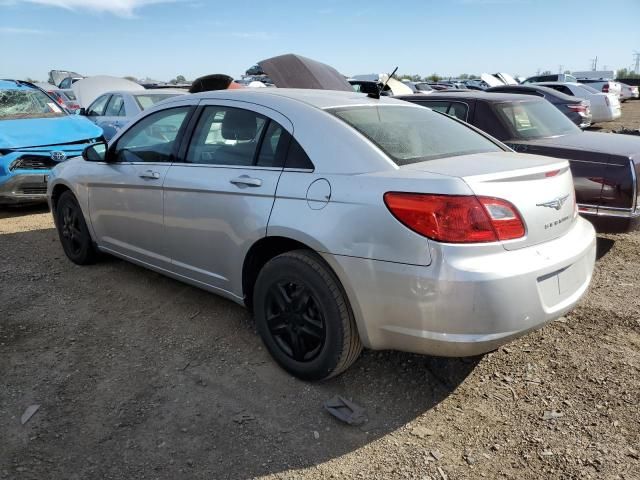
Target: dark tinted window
152, 139
297, 157
226, 136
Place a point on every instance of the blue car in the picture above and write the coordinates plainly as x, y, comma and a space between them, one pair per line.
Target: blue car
35, 135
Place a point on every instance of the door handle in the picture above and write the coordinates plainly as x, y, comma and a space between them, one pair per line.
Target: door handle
150, 175
246, 181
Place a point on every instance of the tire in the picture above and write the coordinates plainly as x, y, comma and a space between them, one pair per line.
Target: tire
73, 232
304, 317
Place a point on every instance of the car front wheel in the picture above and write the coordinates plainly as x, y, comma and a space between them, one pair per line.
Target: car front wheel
304, 317
73, 232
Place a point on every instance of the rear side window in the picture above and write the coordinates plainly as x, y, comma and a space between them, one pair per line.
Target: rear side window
412, 134
96, 109
453, 109
115, 108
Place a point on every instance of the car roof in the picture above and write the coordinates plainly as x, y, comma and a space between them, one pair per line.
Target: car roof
16, 85
473, 95
321, 99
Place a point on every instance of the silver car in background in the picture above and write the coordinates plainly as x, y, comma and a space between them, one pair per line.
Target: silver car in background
114, 110
341, 220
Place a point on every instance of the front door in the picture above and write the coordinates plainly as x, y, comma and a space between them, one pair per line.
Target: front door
125, 194
218, 200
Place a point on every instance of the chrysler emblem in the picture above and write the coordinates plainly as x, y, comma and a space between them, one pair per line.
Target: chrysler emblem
58, 156
557, 203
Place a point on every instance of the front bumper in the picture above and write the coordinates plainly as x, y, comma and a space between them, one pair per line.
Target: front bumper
471, 299
24, 188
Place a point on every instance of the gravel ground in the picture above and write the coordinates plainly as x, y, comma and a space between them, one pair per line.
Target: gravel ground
139, 376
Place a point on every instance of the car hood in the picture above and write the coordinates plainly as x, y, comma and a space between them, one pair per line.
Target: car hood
38, 132
611, 143
296, 71
90, 88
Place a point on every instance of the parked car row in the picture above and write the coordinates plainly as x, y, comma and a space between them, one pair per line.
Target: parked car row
343, 220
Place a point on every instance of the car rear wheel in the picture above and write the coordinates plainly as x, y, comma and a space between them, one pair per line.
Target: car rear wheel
304, 317
73, 232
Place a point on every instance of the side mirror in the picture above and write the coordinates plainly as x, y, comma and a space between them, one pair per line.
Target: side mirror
96, 152
81, 111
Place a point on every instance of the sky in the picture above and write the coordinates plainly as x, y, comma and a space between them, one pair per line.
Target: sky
161, 39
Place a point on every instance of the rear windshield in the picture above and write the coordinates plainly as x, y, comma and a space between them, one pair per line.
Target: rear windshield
146, 101
529, 120
588, 88
69, 94
414, 134
23, 103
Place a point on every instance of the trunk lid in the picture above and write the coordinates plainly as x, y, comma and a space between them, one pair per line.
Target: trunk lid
540, 188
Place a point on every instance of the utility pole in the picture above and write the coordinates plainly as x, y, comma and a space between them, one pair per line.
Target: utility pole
560, 68
594, 63
636, 57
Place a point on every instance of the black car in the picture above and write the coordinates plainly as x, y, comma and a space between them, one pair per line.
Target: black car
605, 166
577, 109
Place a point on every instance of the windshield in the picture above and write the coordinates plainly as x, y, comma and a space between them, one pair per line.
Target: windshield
146, 101
423, 87
528, 120
414, 134
23, 103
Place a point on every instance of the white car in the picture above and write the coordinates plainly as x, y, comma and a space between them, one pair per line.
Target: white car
604, 86
629, 91
605, 107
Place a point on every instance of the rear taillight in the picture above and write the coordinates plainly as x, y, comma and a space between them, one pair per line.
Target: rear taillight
605, 88
456, 218
578, 108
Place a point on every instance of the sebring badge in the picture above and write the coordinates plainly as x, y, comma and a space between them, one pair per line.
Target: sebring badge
557, 203
58, 156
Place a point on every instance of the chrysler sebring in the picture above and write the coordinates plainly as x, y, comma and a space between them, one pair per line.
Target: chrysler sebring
341, 221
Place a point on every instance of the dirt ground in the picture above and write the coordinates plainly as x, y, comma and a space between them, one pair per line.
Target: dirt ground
630, 118
140, 377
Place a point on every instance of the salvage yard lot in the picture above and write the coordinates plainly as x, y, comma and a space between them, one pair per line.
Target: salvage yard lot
140, 376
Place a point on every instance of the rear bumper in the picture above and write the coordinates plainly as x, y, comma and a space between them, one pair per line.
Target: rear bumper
612, 220
24, 188
471, 299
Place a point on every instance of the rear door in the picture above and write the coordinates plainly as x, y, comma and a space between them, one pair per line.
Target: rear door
217, 201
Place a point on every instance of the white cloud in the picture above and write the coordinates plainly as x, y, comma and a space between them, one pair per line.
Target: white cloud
123, 8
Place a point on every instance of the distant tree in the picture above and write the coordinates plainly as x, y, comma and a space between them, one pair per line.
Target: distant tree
434, 77
31, 80
129, 77
463, 76
547, 72
567, 72
413, 78
625, 73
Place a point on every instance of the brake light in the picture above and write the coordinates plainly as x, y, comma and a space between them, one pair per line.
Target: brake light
456, 218
605, 88
578, 108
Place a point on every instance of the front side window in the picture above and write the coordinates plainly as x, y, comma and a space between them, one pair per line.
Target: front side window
27, 103
115, 107
413, 134
226, 136
96, 109
153, 138
540, 119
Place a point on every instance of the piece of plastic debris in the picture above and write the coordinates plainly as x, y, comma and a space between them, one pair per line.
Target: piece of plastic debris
345, 410
552, 415
28, 413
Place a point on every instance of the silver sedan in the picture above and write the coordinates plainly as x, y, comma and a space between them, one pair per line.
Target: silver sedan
341, 220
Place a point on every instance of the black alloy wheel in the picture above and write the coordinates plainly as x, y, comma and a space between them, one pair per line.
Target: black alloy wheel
295, 320
304, 317
73, 232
